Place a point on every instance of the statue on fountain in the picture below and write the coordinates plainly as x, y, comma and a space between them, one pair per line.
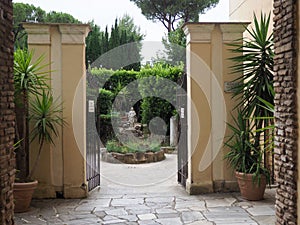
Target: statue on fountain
131, 117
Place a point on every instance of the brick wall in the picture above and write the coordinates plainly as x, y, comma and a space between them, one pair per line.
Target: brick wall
285, 83
7, 161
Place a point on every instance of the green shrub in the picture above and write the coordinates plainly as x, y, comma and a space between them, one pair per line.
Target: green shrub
104, 128
152, 107
104, 101
132, 147
120, 79
115, 90
100, 76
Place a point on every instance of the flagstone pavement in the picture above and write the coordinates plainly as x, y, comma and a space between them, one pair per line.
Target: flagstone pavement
149, 194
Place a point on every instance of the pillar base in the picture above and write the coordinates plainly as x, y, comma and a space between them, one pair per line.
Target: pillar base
199, 188
75, 192
225, 186
211, 187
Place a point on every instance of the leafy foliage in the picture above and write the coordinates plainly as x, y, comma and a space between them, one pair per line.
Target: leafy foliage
60, 17
146, 108
29, 80
169, 12
104, 101
254, 63
132, 147
152, 107
45, 115
112, 83
33, 95
123, 32
244, 156
29, 13
175, 43
29, 76
98, 42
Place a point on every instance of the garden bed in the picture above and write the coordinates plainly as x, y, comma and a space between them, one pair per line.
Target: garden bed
132, 158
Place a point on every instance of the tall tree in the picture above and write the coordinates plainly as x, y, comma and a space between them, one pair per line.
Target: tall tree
126, 24
124, 31
93, 47
60, 17
169, 12
174, 43
30, 13
25, 13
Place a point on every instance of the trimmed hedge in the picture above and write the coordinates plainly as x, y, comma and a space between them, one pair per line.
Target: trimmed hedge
152, 107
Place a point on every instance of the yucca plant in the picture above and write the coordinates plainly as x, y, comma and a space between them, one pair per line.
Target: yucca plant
45, 117
255, 62
243, 155
30, 79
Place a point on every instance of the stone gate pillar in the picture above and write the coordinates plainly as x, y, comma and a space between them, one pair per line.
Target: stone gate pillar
61, 170
209, 100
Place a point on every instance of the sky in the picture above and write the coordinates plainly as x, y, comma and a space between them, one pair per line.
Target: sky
104, 12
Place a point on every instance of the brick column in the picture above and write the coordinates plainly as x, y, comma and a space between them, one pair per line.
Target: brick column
7, 157
286, 125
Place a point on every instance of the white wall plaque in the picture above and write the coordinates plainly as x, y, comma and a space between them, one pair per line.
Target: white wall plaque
91, 106
229, 86
182, 113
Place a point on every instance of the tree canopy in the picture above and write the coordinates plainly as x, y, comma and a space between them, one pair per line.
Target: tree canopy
97, 43
122, 32
30, 13
169, 12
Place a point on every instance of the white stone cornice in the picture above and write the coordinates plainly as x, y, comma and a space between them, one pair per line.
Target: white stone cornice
198, 32
73, 33
233, 31
37, 33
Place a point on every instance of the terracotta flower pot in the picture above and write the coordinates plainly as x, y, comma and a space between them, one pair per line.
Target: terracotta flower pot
23, 194
251, 190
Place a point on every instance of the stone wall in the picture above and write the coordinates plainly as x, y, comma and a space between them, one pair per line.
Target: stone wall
286, 133
7, 158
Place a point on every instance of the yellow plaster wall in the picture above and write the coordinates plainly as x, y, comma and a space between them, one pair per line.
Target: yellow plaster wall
242, 10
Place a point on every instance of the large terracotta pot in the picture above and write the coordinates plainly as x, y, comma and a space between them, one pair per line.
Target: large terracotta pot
251, 190
23, 194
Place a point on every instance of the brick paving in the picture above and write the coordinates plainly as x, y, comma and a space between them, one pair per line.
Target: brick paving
157, 202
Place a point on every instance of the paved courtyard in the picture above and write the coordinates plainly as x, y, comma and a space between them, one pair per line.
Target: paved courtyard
149, 194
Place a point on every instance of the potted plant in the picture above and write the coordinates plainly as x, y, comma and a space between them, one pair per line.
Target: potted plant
248, 142
41, 111
246, 159
254, 61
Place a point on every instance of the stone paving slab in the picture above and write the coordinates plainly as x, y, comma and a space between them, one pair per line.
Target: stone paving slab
163, 203
261, 211
176, 210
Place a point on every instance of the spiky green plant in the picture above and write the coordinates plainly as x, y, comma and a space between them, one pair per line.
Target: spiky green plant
254, 61
243, 155
45, 117
30, 78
